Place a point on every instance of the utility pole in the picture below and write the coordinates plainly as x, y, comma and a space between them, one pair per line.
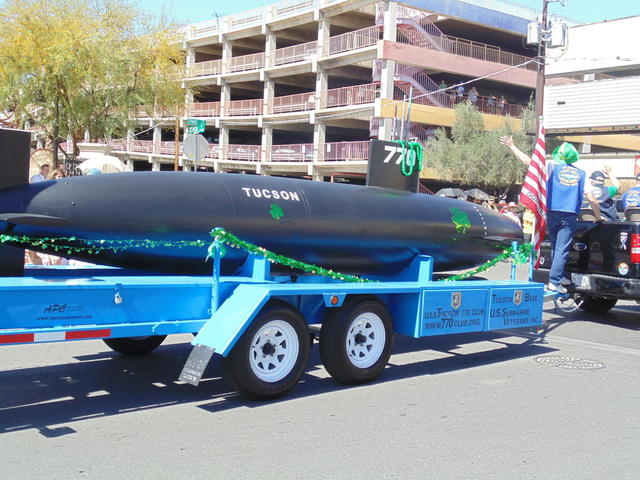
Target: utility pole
542, 53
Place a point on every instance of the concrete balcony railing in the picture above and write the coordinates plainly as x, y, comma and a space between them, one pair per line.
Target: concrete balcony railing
297, 152
350, 41
465, 48
343, 97
488, 105
295, 53
365, 37
244, 63
204, 109
299, 102
203, 69
243, 108
255, 17
246, 153
346, 151
354, 95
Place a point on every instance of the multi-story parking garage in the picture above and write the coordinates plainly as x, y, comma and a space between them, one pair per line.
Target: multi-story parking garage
300, 86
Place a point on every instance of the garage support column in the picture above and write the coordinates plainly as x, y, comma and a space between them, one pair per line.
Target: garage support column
157, 138
130, 137
269, 47
319, 142
267, 98
227, 53
225, 98
324, 33
388, 68
267, 141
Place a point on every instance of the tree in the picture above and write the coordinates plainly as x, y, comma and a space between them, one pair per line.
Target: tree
71, 65
473, 155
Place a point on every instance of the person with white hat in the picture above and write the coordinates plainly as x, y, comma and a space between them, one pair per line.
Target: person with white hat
512, 212
565, 189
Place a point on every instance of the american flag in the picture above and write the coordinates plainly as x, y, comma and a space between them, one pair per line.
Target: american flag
534, 192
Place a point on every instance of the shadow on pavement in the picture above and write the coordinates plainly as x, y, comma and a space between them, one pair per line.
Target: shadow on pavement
50, 398
623, 315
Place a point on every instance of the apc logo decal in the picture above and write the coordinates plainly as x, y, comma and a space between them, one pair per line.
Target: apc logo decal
568, 176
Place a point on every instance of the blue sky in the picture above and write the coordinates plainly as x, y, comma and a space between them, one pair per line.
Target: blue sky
585, 11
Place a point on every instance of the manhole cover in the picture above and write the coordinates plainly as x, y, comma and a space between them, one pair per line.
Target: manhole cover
570, 362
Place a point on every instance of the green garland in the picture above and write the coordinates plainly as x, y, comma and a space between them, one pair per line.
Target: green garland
411, 158
519, 255
221, 235
71, 245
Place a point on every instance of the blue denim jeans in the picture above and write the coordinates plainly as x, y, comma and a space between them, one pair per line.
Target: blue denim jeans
561, 227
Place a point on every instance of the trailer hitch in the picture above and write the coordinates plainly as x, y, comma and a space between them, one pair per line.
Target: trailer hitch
567, 302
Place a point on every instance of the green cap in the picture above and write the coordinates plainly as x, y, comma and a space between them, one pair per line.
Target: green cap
566, 153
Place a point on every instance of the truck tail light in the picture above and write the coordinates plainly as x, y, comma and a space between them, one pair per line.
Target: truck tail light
635, 248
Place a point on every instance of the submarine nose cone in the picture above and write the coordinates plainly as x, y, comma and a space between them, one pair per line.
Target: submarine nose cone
16, 204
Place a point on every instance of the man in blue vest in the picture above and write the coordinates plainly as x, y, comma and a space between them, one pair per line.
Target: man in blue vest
631, 198
565, 189
604, 195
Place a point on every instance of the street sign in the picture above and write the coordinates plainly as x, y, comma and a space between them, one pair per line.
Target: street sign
195, 125
195, 147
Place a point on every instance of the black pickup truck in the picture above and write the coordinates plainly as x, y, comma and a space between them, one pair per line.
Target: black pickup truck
604, 264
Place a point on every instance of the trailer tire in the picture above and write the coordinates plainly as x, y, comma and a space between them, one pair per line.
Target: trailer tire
356, 341
593, 304
134, 345
271, 355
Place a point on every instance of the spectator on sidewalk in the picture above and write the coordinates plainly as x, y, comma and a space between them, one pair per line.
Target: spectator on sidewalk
43, 175
512, 212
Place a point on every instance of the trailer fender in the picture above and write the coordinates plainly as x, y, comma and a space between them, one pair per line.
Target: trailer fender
229, 322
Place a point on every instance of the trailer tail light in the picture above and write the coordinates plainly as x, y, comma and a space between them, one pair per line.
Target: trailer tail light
635, 248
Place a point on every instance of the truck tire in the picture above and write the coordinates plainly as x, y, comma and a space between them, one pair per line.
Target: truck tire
597, 304
356, 341
134, 345
271, 355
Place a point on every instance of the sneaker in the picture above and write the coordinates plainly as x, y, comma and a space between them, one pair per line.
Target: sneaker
566, 282
552, 287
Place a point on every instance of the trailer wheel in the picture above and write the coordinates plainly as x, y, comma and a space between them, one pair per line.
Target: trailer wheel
134, 345
271, 355
356, 341
593, 304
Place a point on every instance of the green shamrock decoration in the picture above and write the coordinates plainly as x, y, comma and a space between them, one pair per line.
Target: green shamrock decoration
460, 220
276, 211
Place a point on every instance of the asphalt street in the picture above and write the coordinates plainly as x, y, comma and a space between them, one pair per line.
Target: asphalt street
498, 405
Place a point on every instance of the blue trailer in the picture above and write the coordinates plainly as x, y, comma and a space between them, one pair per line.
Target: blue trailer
260, 324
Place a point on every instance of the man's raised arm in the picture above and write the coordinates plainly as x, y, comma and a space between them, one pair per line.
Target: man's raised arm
508, 141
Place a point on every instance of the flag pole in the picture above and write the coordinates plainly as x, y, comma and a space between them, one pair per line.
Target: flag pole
532, 258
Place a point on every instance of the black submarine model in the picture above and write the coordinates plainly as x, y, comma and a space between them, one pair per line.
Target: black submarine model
348, 228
